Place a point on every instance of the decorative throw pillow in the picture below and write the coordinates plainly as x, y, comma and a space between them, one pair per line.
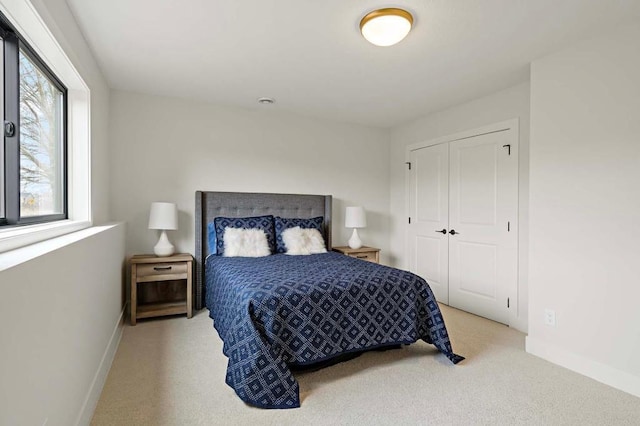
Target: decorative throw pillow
282, 224
303, 241
211, 238
245, 243
258, 222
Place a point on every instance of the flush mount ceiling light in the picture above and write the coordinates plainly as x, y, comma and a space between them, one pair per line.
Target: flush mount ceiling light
386, 27
266, 101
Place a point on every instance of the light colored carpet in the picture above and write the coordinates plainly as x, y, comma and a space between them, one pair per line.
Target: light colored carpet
171, 372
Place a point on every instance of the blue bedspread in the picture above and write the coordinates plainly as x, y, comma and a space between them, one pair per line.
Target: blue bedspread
279, 310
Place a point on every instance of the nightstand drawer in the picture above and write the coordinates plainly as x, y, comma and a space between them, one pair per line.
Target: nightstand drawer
370, 256
162, 269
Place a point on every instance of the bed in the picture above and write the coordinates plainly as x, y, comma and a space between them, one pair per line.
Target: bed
278, 312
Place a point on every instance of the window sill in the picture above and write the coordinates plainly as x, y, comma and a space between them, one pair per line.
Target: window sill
19, 256
13, 238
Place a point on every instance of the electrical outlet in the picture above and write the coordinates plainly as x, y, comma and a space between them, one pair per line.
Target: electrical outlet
550, 317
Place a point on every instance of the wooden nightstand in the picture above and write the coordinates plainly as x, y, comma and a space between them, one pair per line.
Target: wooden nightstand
371, 254
147, 268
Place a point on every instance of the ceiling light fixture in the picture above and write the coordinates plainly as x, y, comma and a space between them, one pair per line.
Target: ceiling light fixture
386, 27
266, 101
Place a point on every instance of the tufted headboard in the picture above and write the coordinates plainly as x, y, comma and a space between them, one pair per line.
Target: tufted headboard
244, 204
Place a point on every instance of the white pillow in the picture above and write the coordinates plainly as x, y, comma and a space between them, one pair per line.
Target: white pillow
303, 241
245, 243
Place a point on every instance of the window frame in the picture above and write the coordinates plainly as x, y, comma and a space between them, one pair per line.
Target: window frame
13, 44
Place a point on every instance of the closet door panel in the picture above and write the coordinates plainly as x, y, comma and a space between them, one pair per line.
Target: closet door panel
478, 215
428, 212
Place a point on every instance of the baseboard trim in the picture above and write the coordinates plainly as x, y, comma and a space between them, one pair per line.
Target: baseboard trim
587, 367
99, 379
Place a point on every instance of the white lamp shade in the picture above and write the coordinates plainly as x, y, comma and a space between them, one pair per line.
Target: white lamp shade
163, 216
355, 218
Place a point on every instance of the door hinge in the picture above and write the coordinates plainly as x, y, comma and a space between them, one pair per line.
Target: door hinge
508, 146
409, 221
508, 226
507, 302
408, 164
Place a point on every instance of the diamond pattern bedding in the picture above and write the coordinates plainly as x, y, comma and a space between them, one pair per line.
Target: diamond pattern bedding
280, 310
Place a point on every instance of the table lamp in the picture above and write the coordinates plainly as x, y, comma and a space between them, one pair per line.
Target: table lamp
355, 218
163, 216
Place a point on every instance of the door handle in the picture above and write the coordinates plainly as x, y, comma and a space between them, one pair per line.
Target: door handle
444, 231
453, 232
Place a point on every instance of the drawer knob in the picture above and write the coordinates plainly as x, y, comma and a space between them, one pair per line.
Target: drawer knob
162, 268
362, 257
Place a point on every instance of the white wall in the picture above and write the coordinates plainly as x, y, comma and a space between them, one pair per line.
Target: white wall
500, 106
584, 208
60, 311
59, 314
164, 149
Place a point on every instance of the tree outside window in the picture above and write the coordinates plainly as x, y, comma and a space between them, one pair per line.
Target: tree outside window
41, 147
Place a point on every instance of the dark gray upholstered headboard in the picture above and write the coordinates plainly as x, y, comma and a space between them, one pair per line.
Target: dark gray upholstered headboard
244, 204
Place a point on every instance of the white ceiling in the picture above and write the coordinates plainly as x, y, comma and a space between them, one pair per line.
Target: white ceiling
310, 56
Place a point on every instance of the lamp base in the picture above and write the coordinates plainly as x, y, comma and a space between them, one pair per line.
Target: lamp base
164, 247
355, 242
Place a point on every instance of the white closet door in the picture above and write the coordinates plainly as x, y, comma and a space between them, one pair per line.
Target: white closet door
482, 229
429, 210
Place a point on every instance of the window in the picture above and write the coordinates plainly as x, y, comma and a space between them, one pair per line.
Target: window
33, 178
